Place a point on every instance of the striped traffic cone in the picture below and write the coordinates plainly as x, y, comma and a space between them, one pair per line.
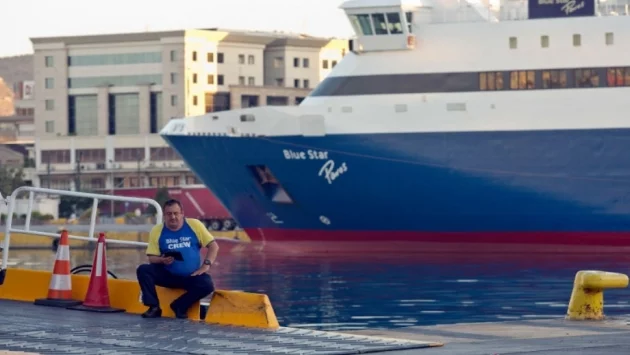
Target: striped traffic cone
60, 288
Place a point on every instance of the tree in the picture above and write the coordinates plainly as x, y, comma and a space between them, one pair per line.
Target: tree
161, 196
10, 179
71, 204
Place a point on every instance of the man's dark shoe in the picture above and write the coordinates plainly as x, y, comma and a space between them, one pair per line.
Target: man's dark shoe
152, 312
179, 313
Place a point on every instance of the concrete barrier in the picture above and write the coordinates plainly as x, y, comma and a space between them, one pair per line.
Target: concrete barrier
226, 307
241, 309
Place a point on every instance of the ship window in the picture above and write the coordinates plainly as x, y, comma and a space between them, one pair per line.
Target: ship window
380, 26
610, 39
520, 80
618, 77
393, 23
409, 16
586, 78
491, 81
577, 40
554, 79
544, 41
363, 25
269, 184
513, 43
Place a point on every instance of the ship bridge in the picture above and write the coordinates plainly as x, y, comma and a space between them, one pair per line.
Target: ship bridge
388, 25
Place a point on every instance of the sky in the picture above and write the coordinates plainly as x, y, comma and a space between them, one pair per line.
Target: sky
24, 19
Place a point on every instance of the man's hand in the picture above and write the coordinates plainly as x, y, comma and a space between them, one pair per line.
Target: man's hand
155, 259
202, 270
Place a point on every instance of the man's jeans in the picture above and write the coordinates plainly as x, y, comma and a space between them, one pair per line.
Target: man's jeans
151, 275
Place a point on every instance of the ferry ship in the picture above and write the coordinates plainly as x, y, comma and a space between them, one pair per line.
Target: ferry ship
448, 121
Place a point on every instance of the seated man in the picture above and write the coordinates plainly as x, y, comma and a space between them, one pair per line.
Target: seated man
186, 236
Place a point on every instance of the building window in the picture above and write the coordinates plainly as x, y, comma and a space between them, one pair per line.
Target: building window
127, 80
173, 100
219, 57
194, 78
513, 43
210, 79
241, 80
577, 40
325, 64
124, 110
220, 79
296, 83
306, 83
50, 105
241, 59
173, 56
173, 78
155, 112
278, 62
195, 100
296, 62
50, 83
50, 126
280, 81
50, 62
251, 81
250, 59
334, 63
305, 63
194, 56
544, 41
610, 39
210, 57
83, 115
115, 59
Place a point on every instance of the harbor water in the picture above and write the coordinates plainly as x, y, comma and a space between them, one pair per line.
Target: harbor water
387, 290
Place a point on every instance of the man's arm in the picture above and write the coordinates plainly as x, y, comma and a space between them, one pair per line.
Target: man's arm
213, 250
207, 240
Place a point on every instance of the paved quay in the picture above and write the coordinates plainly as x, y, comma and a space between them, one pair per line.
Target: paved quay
48, 330
549, 337
27, 328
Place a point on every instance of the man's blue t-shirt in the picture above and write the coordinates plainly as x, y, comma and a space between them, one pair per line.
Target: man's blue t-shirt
186, 240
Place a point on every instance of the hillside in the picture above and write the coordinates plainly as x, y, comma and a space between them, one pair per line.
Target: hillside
6, 99
18, 68
12, 70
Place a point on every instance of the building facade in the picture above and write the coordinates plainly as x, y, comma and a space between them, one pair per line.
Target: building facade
101, 100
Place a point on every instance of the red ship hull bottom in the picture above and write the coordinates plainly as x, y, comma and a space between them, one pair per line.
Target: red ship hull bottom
414, 242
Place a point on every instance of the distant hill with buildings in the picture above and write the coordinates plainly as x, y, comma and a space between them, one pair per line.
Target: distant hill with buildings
17, 68
12, 70
6, 99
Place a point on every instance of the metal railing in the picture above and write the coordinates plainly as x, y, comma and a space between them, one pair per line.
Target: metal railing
11, 201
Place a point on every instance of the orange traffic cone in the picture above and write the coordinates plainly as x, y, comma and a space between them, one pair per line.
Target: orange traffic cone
60, 288
97, 297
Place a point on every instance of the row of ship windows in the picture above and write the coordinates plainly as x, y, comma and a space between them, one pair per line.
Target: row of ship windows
545, 41
554, 79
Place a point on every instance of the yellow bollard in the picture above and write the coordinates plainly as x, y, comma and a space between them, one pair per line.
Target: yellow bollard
587, 298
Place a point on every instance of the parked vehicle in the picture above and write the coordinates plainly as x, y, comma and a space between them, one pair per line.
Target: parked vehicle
197, 200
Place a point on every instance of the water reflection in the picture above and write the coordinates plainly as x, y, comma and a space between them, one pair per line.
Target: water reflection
330, 291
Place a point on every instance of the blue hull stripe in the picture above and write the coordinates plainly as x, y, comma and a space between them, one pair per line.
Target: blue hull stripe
569, 180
